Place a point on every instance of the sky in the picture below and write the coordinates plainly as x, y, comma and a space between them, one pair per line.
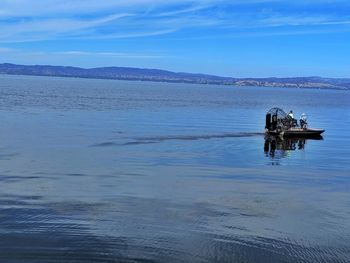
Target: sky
237, 38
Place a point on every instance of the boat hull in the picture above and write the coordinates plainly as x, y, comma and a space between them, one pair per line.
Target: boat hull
298, 133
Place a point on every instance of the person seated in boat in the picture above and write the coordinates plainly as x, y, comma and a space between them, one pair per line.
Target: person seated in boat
303, 121
291, 115
293, 122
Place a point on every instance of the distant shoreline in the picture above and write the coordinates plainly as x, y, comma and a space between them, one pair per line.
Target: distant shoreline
169, 82
156, 75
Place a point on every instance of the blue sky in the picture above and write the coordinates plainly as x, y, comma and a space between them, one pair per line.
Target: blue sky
239, 38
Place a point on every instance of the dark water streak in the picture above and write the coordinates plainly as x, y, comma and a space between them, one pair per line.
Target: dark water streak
147, 140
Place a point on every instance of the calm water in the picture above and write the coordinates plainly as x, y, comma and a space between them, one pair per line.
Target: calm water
113, 171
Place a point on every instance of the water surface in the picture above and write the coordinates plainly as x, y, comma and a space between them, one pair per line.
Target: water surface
116, 171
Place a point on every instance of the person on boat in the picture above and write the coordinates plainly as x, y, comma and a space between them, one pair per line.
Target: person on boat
292, 121
303, 121
291, 115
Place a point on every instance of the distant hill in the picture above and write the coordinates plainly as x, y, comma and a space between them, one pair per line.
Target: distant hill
125, 73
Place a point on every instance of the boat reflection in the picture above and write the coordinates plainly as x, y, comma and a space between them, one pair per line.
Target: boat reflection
277, 147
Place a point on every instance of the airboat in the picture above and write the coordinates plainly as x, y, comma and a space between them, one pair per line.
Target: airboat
278, 122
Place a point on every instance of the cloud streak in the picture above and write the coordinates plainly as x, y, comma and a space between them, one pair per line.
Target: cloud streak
23, 20
80, 53
110, 54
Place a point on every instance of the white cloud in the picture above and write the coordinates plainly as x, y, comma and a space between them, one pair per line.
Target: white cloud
6, 50
80, 53
54, 19
58, 25
109, 54
18, 8
25, 20
302, 20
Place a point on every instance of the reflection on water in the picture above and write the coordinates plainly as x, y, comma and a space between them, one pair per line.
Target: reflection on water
277, 147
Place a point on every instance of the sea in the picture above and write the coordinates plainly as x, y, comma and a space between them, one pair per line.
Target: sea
130, 171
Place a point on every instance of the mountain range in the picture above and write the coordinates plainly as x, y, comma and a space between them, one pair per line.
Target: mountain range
127, 73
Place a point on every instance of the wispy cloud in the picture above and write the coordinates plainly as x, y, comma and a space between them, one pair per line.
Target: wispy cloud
111, 54
23, 20
302, 20
6, 50
80, 53
20, 8
53, 19
31, 29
